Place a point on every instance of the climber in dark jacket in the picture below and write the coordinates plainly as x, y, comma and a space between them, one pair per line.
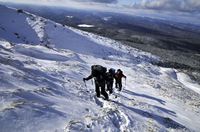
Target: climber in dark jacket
118, 79
100, 80
110, 79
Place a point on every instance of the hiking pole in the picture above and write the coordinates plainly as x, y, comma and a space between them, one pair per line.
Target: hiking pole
125, 83
92, 81
85, 84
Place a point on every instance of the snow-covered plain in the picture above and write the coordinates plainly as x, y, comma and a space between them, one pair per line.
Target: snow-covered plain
42, 64
85, 25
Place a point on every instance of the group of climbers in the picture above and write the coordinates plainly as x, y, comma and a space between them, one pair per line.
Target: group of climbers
104, 80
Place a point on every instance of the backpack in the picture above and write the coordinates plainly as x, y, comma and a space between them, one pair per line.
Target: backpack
98, 70
112, 71
110, 74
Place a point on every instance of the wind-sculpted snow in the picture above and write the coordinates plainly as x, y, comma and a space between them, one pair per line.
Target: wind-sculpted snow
41, 54
41, 87
15, 28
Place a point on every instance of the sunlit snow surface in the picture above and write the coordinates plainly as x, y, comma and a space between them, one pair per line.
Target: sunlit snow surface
85, 25
41, 89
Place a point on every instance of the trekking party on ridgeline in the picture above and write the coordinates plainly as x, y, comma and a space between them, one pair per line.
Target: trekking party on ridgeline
104, 79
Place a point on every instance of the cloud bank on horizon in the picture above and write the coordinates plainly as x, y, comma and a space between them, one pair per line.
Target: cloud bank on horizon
178, 5
98, 1
184, 11
169, 5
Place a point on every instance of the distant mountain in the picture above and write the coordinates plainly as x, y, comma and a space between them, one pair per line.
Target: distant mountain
42, 64
176, 43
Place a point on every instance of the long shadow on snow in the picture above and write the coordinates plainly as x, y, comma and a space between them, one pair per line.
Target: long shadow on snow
35, 100
37, 104
7, 85
47, 109
164, 121
36, 77
31, 96
157, 107
35, 53
165, 110
145, 96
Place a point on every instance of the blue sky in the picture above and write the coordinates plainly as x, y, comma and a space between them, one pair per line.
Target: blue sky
187, 11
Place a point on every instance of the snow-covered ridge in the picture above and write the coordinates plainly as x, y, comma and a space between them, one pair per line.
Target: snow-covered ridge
42, 64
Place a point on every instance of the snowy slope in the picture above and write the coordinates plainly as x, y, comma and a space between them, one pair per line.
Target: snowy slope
41, 87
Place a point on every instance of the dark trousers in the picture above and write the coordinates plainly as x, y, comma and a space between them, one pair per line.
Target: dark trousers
110, 86
102, 91
118, 84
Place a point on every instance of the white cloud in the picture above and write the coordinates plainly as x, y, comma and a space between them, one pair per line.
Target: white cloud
179, 5
171, 5
60, 1
80, 4
98, 1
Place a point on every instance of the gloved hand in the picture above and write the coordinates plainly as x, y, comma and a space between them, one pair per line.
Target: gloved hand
84, 79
